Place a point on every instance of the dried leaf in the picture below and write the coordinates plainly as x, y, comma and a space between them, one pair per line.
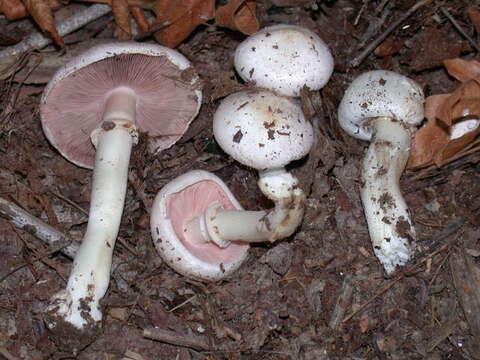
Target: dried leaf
140, 18
184, 16
462, 70
432, 143
389, 47
121, 13
13, 9
431, 137
42, 14
238, 15
474, 15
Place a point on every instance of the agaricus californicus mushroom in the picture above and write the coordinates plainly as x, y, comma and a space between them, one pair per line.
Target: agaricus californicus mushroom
284, 58
91, 112
263, 131
178, 206
384, 107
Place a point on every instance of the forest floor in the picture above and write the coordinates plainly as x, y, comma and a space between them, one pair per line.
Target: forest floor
320, 294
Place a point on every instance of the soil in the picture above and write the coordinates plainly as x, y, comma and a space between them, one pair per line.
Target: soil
320, 294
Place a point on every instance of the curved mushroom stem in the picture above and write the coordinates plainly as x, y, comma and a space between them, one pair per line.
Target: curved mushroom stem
388, 218
78, 305
223, 226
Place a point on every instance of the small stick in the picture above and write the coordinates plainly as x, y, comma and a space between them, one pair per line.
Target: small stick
33, 225
359, 58
171, 337
38, 41
459, 29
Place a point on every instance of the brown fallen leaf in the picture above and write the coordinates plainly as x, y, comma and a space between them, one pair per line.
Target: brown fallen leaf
140, 18
474, 15
121, 14
238, 15
462, 70
13, 9
389, 47
42, 14
433, 144
184, 16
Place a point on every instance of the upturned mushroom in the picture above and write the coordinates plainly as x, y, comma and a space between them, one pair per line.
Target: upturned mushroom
258, 129
92, 111
384, 107
284, 58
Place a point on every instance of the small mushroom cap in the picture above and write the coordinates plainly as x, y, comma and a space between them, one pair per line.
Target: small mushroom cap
181, 200
262, 130
167, 90
380, 93
284, 58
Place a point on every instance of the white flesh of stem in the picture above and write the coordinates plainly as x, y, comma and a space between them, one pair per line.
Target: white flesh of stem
223, 226
389, 223
90, 274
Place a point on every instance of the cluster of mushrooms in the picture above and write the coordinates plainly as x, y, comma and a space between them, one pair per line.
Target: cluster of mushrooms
95, 106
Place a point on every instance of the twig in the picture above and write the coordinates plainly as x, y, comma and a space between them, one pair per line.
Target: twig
17, 267
174, 338
38, 41
360, 13
459, 29
5, 353
79, 208
359, 58
69, 202
182, 304
38, 228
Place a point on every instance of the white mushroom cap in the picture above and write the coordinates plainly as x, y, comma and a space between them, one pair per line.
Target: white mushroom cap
262, 130
380, 93
182, 199
284, 58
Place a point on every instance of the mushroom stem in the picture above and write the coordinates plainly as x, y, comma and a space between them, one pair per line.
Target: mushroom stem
90, 274
387, 214
223, 226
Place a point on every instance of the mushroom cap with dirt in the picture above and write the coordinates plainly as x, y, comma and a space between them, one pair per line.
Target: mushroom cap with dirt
181, 200
384, 107
91, 112
284, 58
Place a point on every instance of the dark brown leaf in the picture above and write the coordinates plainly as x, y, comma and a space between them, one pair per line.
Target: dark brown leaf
184, 16
238, 15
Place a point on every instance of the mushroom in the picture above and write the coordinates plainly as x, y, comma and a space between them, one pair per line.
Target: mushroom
182, 201
384, 107
284, 58
263, 131
102, 97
